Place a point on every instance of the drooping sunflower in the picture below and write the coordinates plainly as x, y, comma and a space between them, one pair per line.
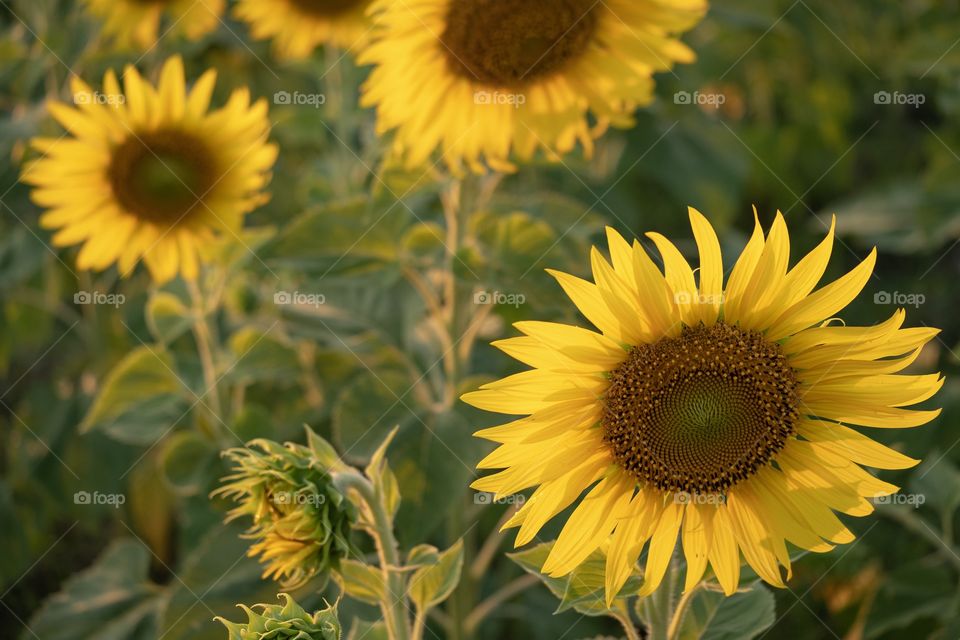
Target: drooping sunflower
298, 26
725, 416
138, 23
489, 80
150, 173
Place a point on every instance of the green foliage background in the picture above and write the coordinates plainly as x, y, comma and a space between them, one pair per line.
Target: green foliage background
112, 399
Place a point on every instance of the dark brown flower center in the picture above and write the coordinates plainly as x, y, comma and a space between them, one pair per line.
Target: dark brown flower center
701, 412
162, 176
508, 43
325, 8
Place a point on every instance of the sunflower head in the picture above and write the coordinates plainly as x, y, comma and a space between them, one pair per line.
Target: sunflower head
486, 82
137, 23
297, 27
301, 522
725, 415
288, 621
150, 172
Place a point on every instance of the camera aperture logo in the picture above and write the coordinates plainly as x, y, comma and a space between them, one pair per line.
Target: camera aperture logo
514, 100
499, 297
100, 298
695, 297
96, 498
95, 97
910, 499
483, 497
683, 497
900, 299
899, 98
299, 298
700, 98
298, 498
297, 98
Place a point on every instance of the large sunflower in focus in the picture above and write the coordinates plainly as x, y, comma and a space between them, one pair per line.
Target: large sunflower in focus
298, 26
137, 23
720, 415
487, 80
150, 173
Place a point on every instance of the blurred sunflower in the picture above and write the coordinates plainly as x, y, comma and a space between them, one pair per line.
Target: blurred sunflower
485, 80
150, 173
136, 23
298, 26
715, 414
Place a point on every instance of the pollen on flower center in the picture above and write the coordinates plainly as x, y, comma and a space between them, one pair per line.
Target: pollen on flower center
325, 8
509, 43
701, 412
162, 176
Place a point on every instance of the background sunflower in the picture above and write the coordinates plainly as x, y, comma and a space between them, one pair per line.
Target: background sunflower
150, 173
297, 27
484, 82
364, 296
139, 23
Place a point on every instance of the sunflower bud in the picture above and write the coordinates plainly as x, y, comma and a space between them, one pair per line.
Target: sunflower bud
287, 622
301, 521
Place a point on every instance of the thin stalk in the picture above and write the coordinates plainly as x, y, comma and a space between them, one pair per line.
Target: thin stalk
488, 606
204, 338
393, 605
680, 611
628, 625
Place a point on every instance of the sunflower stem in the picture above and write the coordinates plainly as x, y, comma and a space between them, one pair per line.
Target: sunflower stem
204, 339
629, 626
658, 606
394, 604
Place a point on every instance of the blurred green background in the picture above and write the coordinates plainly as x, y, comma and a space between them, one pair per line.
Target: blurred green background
812, 108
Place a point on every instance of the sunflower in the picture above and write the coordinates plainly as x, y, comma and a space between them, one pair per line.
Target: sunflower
136, 23
298, 26
724, 416
150, 173
486, 80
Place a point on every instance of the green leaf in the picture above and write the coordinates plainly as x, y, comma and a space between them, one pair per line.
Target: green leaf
261, 357
380, 474
167, 316
361, 581
911, 592
363, 630
140, 398
317, 240
713, 616
367, 410
324, 451
584, 588
429, 586
187, 459
112, 600
422, 555
938, 481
